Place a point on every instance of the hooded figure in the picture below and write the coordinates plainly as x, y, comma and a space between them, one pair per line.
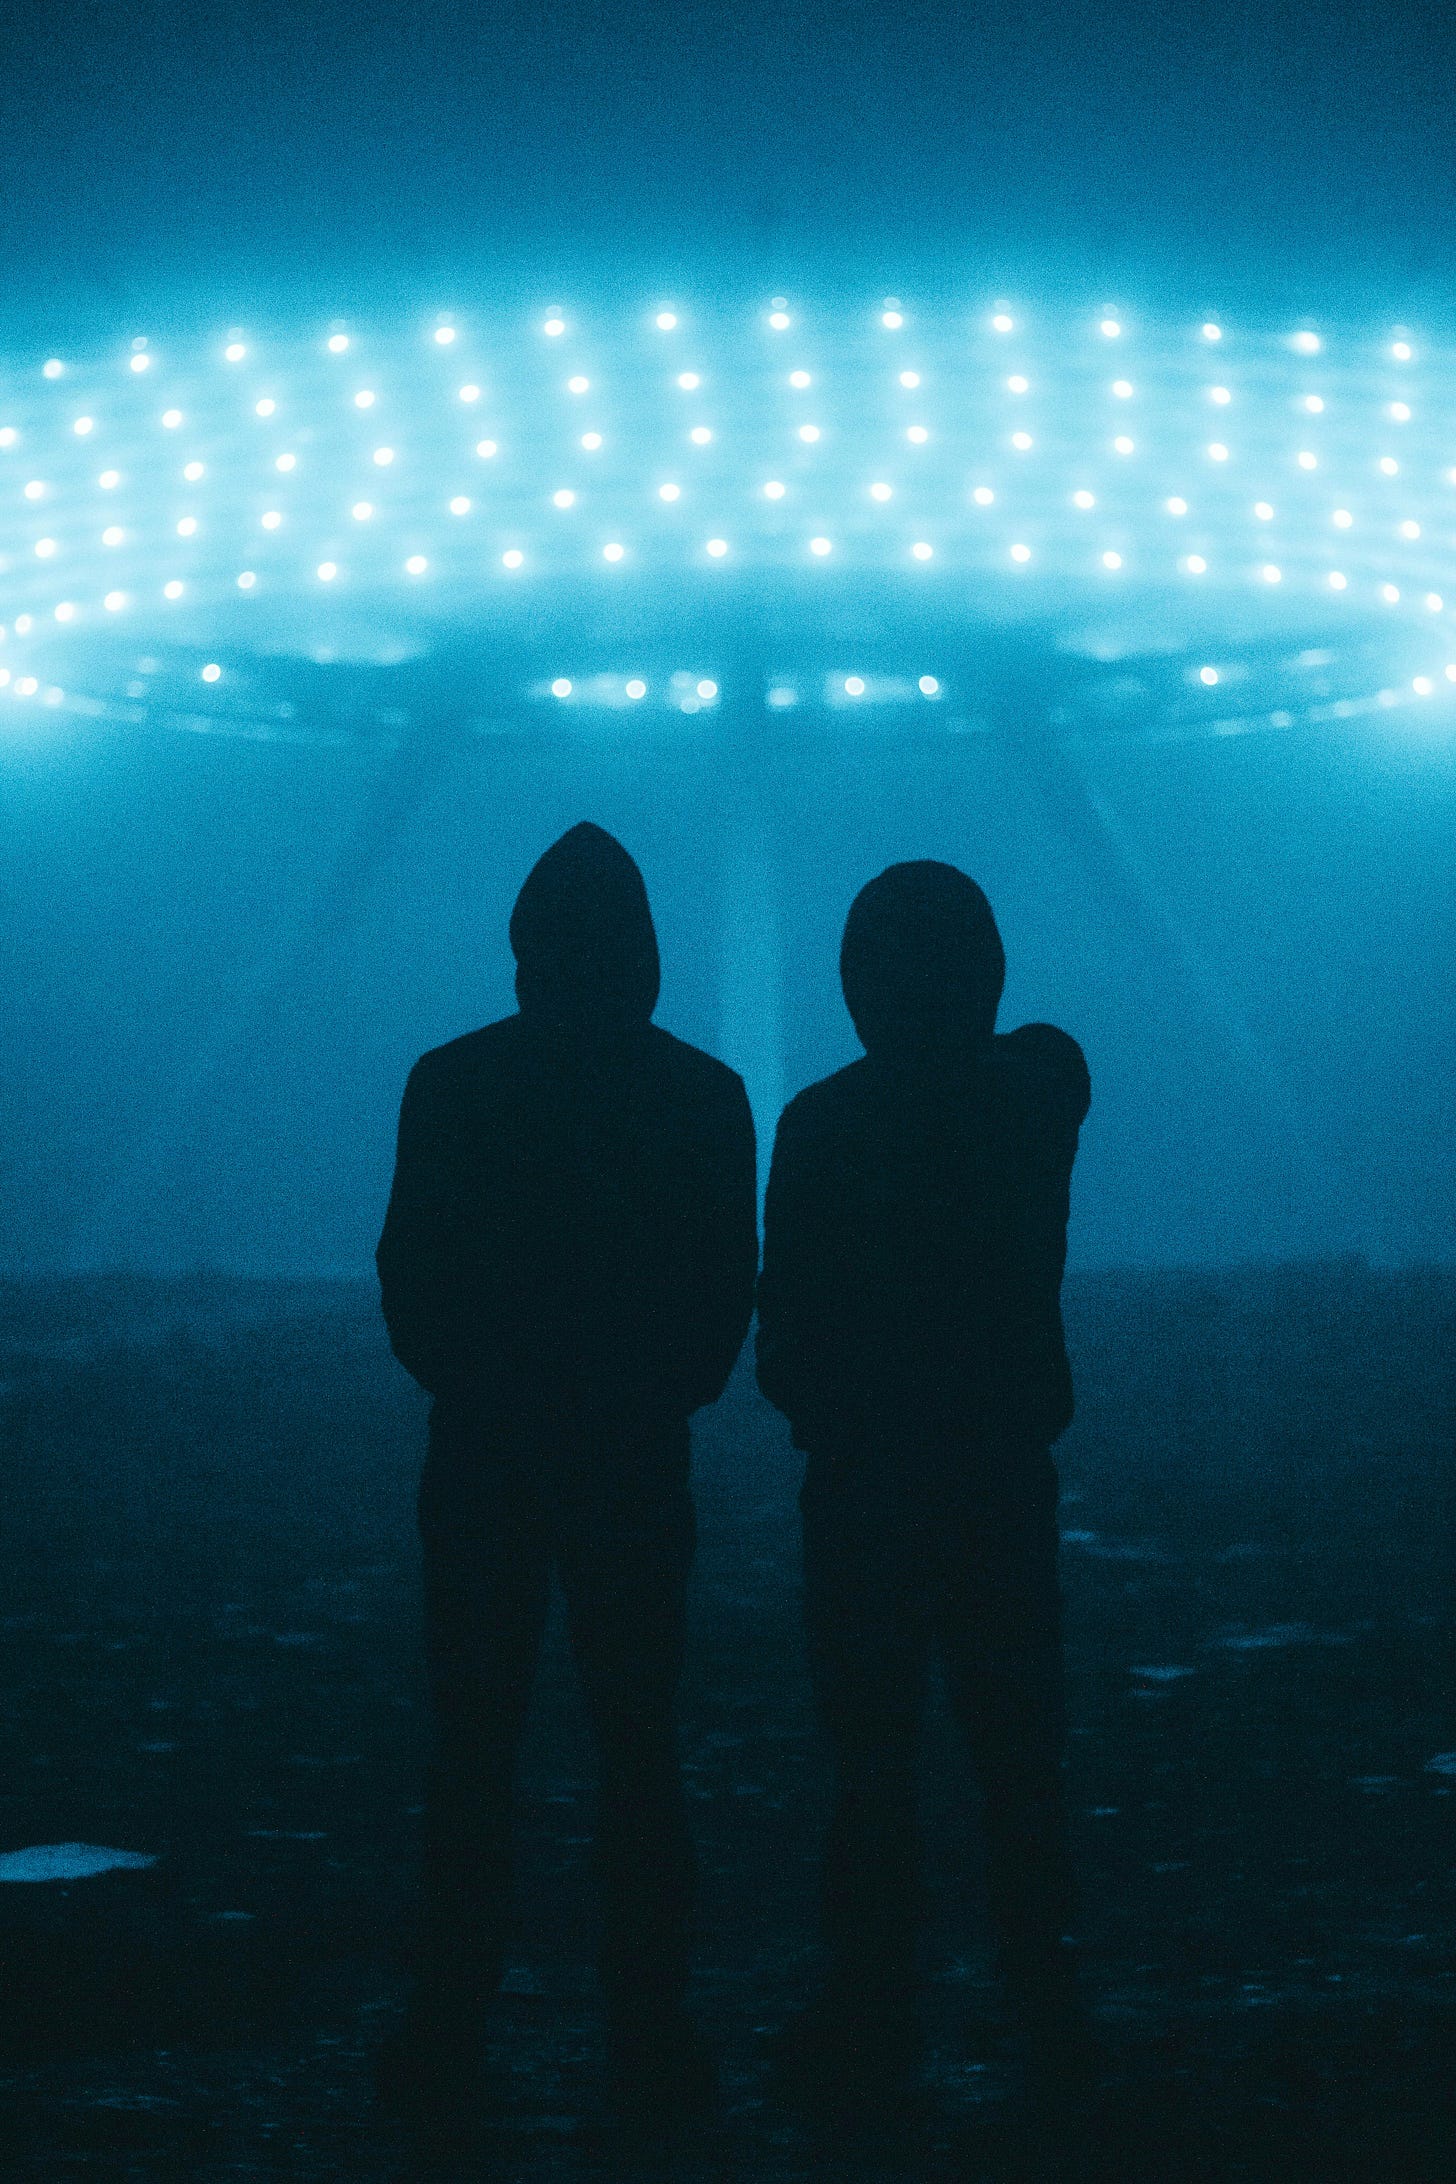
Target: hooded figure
567, 1267
910, 1329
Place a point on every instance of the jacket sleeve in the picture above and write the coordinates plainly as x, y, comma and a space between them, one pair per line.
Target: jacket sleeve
728, 1247
418, 1257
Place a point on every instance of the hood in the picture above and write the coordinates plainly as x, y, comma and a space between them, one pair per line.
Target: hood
582, 936
921, 964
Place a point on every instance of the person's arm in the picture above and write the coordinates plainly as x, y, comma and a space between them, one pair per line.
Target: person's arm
727, 1246
418, 1253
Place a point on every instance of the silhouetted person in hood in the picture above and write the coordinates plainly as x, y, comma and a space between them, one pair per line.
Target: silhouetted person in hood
567, 1266
910, 1329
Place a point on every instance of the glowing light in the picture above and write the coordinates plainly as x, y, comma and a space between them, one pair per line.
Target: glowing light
1017, 385
486, 448
1112, 561
364, 399
1400, 411
1342, 519
138, 364
821, 546
561, 688
669, 492
1084, 499
1338, 580
384, 456
853, 687
909, 379
1196, 565
809, 433
187, 528
22, 624
45, 548
779, 321
172, 418
689, 381
470, 392
35, 490
1401, 351
416, 565
893, 319
1208, 675
700, 435
1110, 328
1390, 593
8, 436
917, 435
1306, 343
1451, 672
1271, 573
1389, 466
1122, 388
173, 589
1021, 441
922, 550
1217, 452
563, 497
1314, 403
1221, 395
1211, 332
83, 425
1021, 553
26, 687
235, 352
193, 471
982, 496
928, 687
327, 571
460, 505
1264, 511
636, 688
666, 320
512, 557
591, 441
1003, 322
553, 327
337, 344
362, 511
1122, 445
707, 689
109, 480
1422, 685
613, 551
577, 385
211, 672
266, 407
444, 335
1434, 602
114, 602
774, 490
1307, 460
66, 611
246, 580
1410, 529
285, 463
799, 379
271, 519
881, 491
717, 547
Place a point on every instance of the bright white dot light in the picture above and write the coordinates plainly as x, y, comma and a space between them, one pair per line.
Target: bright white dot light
1389, 465
444, 335
1390, 593
1111, 328
109, 480
246, 580
487, 448
1084, 499
384, 456
139, 363
613, 551
193, 471
1338, 580
774, 490
1434, 602
591, 441
779, 321
821, 546
1410, 529
416, 565
563, 497
893, 319
22, 624
35, 490
1342, 519
114, 602
1306, 344
669, 492
266, 407
1212, 332
1307, 460
83, 425
1421, 684
1196, 565
800, 379
1401, 351
1221, 395
285, 463
172, 418
362, 511
707, 689
26, 687
1217, 452
561, 688
1021, 441
666, 320
809, 433
45, 548
271, 520
338, 343
8, 436
470, 392
1122, 445
880, 492
173, 589
636, 688
1208, 675
911, 379
66, 611
512, 557
1122, 388
717, 547
578, 385
327, 571
922, 550
235, 352
1314, 403
1270, 573
700, 435
982, 496
1264, 511
187, 528
917, 435
211, 672
688, 381
364, 399
1451, 672
1400, 411
460, 505
853, 686
1021, 553
928, 687
1017, 385
554, 326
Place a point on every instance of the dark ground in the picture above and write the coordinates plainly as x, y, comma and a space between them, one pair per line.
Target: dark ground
211, 1653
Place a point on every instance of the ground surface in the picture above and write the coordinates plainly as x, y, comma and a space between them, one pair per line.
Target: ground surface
210, 1640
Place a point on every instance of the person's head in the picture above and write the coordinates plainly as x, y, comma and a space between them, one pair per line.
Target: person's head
582, 936
921, 963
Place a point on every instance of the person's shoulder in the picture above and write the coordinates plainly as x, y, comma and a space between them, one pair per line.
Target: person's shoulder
692, 1068
827, 1100
459, 1060
1042, 1060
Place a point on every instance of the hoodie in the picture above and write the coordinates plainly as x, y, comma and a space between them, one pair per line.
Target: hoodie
571, 1237
915, 1228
